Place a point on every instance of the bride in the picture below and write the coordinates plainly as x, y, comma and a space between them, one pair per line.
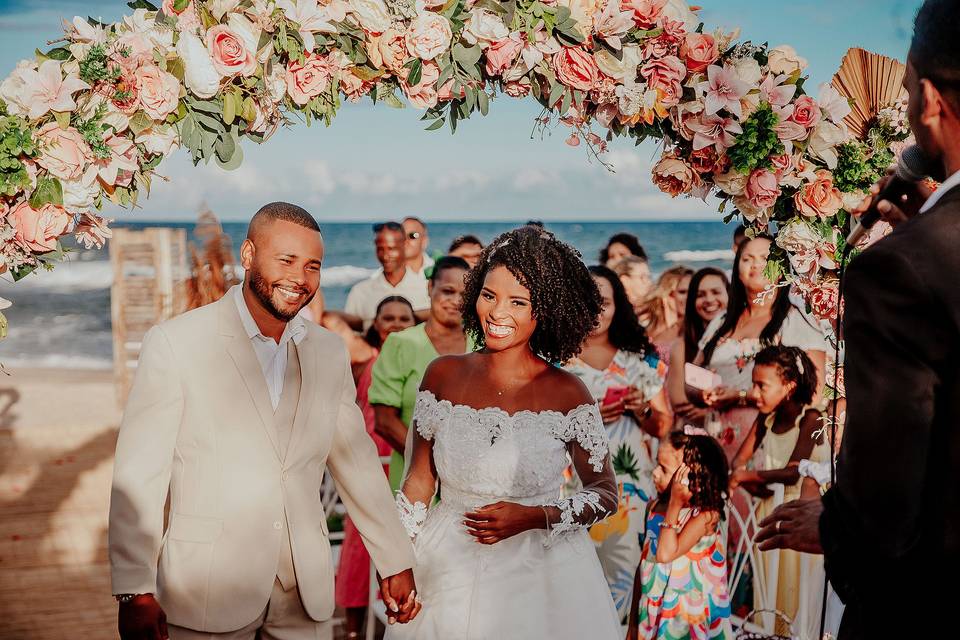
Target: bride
501, 556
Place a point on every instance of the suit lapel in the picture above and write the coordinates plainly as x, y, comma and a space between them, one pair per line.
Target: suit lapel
308, 381
244, 358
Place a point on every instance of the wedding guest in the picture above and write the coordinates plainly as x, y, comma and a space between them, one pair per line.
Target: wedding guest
467, 247
352, 586
620, 368
619, 246
634, 274
416, 244
680, 588
662, 310
739, 236
405, 356
755, 318
706, 299
788, 430
393, 279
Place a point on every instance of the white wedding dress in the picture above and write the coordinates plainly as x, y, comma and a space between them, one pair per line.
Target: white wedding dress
537, 584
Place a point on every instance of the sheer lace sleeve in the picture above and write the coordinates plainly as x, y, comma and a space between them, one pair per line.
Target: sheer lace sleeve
586, 439
420, 478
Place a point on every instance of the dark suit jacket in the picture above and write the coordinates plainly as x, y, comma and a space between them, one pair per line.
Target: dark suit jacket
891, 526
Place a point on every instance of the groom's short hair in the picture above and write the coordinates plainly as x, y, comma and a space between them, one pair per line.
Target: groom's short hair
281, 211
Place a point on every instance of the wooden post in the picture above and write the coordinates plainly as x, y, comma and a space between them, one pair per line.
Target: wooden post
149, 270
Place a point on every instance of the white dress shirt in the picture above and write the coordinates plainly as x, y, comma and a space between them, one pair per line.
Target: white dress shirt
364, 297
941, 191
271, 354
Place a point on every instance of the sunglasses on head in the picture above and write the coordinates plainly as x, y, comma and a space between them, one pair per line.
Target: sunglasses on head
414, 235
389, 226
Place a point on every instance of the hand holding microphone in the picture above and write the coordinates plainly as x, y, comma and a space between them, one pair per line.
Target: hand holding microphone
896, 198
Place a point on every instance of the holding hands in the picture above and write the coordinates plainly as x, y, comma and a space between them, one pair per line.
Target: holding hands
400, 596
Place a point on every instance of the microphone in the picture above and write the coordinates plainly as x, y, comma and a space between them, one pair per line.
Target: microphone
911, 168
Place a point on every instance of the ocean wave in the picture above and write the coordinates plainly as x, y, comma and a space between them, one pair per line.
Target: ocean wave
98, 274
699, 256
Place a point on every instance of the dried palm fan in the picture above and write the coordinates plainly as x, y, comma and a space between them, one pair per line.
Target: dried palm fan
213, 270
871, 82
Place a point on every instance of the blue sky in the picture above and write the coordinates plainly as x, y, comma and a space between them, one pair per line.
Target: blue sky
377, 163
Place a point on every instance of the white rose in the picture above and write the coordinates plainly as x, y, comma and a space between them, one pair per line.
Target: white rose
748, 70
517, 71
852, 199
750, 212
199, 75
276, 82
609, 64
429, 35
159, 139
834, 105
220, 7
823, 143
582, 11
79, 195
732, 182
13, 89
784, 60
372, 14
484, 27
680, 10
797, 236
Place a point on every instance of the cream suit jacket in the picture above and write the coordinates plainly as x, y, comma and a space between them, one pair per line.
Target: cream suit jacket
198, 426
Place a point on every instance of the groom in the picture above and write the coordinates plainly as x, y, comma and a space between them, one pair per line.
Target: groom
237, 410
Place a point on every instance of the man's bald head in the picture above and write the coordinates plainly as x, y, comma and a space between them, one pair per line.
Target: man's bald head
280, 211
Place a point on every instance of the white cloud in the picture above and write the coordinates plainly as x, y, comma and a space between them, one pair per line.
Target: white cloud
531, 180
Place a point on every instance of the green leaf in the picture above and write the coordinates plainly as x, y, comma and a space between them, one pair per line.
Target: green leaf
60, 53
392, 100
22, 272
436, 125
207, 106
140, 122
556, 92
62, 118
416, 71
249, 110
48, 191
235, 160
175, 68
484, 102
180, 5
225, 147
567, 101
445, 74
467, 57
142, 4
229, 108
211, 123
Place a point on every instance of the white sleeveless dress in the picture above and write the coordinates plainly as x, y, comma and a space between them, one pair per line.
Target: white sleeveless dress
537, 584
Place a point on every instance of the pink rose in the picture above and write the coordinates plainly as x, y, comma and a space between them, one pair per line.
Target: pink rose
128, 84
704, 160
520, 89
228, 52
352, 86
310, 78
501, 54
806, 112
64, 153
782, 164
646, 13
423, 95
170, 10
39, 229
673, 176
576, 68
159, 91
445, 93
824, 298
762, 188
666, 74
819, 198
429, 36
389, 51
699, 51
667, 43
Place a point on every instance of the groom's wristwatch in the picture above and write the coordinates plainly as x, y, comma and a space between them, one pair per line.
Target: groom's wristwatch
124, 598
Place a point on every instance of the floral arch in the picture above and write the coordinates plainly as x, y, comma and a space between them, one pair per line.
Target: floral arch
89, 120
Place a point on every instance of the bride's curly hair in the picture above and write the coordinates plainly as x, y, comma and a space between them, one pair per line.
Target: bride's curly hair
709, 474
565, 300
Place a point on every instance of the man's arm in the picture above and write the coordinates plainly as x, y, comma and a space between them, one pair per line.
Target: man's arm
142, 466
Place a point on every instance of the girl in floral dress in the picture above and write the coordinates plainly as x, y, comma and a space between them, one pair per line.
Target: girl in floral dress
681, 584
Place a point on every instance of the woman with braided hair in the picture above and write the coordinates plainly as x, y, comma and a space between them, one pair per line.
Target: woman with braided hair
501, 555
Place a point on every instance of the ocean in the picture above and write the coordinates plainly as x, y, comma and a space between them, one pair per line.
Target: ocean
62, 318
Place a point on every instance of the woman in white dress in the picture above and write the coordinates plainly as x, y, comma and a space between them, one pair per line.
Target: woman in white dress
501, 556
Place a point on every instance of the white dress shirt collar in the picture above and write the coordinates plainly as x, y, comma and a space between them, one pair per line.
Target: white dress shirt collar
295, 330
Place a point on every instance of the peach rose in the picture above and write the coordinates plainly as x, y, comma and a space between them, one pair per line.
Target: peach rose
762, 188
445, 93
673, 176
519, 88
423, 95
704, 160
666, 74
501, 54
646, 13
576, 68
129, 84
429, 36
159, 91
782, 164
824, 300
806, 112
699, 51
229, 53
819, 198
310, 78
354, 87
39, 229
64, 153
389, 50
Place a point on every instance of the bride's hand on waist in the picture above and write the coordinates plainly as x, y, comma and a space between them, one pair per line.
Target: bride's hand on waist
501, 520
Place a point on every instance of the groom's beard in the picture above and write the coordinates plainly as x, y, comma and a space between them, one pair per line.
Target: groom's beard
263, 291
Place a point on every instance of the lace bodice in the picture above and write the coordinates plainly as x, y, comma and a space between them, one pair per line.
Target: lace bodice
485, 455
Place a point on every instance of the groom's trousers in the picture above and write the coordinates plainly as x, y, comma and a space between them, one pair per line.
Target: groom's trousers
283, 619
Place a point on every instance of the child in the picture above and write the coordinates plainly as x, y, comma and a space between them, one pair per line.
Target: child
787, 431
680, 590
